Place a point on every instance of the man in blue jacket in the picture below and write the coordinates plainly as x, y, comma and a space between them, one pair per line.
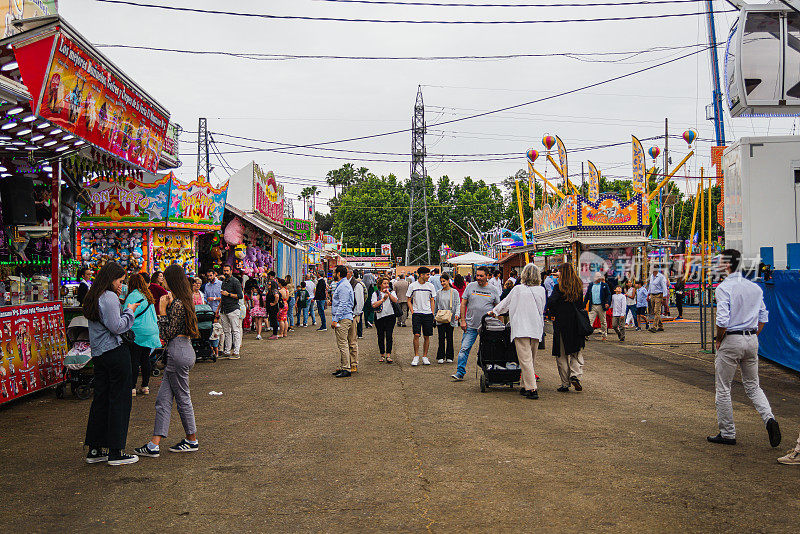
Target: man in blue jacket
342, 323
598, 297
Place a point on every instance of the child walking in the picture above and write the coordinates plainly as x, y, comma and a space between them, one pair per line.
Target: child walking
619, 307
216, 336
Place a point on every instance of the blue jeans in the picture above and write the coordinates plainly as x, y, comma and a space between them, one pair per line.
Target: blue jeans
321, 311
291, 311
309, 310
632, 308
467, 340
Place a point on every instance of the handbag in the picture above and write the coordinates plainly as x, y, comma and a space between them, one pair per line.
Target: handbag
129, 337
445, 316
398, 313
585, 328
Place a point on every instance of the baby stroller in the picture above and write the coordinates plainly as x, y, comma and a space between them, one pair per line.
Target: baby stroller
205, 325
79, 371
497, 355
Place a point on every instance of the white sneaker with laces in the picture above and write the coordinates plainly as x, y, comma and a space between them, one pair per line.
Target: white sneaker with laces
415, 361
440, 360
258, 337
425, 360
792, 458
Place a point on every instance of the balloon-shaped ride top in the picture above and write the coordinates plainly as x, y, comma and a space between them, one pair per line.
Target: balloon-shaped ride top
689, 136
548, 141
532, 154
654, 151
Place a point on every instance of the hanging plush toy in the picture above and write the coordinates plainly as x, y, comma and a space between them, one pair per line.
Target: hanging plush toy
234, 232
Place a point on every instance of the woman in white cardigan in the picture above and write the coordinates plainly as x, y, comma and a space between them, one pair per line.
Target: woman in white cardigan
525, 305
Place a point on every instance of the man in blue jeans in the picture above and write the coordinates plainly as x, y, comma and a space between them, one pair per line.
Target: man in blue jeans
479, 298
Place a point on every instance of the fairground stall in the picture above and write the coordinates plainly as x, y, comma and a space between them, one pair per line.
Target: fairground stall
68, 116
148, 224
254, 238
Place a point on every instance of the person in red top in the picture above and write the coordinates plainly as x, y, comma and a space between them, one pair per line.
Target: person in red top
460, 284
157, 287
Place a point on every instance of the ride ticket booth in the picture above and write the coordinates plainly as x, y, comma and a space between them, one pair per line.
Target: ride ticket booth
68, 116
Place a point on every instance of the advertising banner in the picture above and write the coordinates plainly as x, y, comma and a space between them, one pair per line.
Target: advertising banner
594, 182
267, 195
638, 166
136, 203
562, 157
170, 151
33, 344
196, 205
82, 96
23, 9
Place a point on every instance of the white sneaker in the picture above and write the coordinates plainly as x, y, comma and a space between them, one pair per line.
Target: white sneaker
133, 392
792, 458
425, 361
258, 337
415, 361
440, 360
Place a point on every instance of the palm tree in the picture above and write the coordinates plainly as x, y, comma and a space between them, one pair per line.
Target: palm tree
312, 193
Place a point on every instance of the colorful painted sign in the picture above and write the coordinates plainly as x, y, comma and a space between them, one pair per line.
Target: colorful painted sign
638, 166
609, 211
196, 205
15, 10
33, 344
267, 195
594, 182
301, 226
82, 96
134, 204
577, 212
170, 151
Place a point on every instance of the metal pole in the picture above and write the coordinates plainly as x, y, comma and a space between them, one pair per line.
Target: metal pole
582, 178
666, 172
55, 245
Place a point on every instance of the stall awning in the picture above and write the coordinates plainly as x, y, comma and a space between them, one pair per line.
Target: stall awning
262, 224
610, 241
471, 258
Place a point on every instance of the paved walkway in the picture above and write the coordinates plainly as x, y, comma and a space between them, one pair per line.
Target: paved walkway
395, 448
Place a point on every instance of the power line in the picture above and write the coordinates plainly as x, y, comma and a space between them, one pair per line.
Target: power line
506, 108
258, 56
401, 21
442, 4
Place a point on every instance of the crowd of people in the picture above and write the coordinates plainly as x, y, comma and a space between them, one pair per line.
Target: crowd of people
159, 310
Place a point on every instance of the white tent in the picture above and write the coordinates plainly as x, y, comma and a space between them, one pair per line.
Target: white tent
471, 258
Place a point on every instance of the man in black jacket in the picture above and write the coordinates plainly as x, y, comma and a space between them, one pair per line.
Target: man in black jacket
230, 314
321, 298
598, 297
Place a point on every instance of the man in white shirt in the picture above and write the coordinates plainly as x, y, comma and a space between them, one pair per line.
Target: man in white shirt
436, 280
513, 277
496, 282
420, 298
741, 314
619, 305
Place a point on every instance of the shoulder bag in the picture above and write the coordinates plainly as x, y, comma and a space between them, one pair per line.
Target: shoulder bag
585, 327
445, 316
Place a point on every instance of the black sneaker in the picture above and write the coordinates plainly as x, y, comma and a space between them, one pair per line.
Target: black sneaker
342, 373
96, 456
532, 394
145, 450
185, 446
722, 441
774, 432
563, 389
576, 383
120, 458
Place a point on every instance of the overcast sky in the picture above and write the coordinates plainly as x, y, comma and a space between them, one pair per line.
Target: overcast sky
307, 101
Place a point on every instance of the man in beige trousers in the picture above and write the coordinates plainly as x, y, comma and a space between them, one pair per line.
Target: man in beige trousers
343, 324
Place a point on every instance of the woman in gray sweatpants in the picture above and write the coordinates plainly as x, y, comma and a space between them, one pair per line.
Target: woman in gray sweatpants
177, 328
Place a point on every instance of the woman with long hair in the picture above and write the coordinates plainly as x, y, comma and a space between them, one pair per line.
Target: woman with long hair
109, 415
283, 307
447, 298
177, 328
525, 304
145, 326
563, 305
384, 318
258, 310
460, 284
157, 288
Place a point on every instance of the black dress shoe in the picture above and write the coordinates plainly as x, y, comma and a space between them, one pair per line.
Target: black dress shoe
342, 373
532, 394
723, 441
774, 432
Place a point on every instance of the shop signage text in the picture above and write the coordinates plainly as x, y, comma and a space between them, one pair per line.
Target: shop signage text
267, 195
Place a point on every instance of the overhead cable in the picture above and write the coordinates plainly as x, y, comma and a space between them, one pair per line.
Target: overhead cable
402, 21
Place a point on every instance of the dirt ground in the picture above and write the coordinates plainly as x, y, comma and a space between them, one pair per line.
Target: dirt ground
289, 448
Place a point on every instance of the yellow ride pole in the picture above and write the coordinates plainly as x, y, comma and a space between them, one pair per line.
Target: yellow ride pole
688, 258
669, 176
547, 182
522, 222
702, 228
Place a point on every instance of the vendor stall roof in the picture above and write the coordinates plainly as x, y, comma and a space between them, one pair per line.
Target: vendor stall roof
261, 223
471, 258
